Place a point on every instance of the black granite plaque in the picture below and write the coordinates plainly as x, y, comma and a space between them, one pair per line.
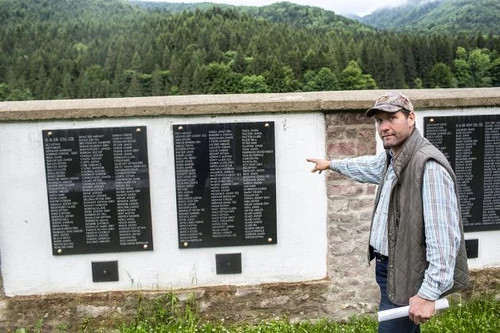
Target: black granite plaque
472, 146
225, 184
105, 271
98, 190
472, 248
229, 263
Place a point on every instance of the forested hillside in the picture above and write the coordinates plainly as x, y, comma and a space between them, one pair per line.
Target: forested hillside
440, 16
279, 12
110, 48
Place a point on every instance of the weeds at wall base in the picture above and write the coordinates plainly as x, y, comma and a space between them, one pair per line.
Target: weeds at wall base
479, 314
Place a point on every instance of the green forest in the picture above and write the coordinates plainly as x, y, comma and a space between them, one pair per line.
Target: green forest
61, 49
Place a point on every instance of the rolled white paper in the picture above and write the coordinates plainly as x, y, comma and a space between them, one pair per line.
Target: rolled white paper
403, 311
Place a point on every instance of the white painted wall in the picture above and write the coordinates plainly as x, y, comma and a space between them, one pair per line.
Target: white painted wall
28, 266
489, 246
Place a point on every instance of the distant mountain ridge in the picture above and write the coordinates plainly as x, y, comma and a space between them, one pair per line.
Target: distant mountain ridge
279, 12
440, 16
300, 15
443, 16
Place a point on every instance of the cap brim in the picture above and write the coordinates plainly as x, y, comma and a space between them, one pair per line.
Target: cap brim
383, 107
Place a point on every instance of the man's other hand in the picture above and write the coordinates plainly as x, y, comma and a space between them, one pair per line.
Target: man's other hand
421, 310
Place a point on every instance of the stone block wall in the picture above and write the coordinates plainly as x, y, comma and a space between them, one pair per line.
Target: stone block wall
350, 206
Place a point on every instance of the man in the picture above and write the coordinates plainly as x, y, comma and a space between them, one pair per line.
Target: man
416, 233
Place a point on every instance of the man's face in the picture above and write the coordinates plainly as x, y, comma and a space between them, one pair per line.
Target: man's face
394, 128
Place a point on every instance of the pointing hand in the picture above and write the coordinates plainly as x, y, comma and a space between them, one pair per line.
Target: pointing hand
320, 164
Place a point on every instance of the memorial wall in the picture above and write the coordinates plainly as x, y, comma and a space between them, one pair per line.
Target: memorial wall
162, 199
161, 202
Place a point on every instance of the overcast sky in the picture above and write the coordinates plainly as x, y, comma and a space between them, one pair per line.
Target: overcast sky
359, 7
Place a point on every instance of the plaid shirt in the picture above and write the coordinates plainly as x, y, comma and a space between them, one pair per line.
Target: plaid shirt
442, 231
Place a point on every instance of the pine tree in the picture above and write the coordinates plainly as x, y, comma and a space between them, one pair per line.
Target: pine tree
157, 82
134, 89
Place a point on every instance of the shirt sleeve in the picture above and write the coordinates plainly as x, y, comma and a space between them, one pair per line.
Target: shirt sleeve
442, 230
363, 169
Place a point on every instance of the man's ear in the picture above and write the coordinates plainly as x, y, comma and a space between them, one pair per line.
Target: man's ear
411, 118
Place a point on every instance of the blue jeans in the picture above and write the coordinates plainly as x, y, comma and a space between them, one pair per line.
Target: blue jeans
399, 325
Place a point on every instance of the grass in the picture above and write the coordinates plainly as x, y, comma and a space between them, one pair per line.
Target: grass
166, 314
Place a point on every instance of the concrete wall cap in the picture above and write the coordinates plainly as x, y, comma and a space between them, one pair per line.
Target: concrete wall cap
196, 105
